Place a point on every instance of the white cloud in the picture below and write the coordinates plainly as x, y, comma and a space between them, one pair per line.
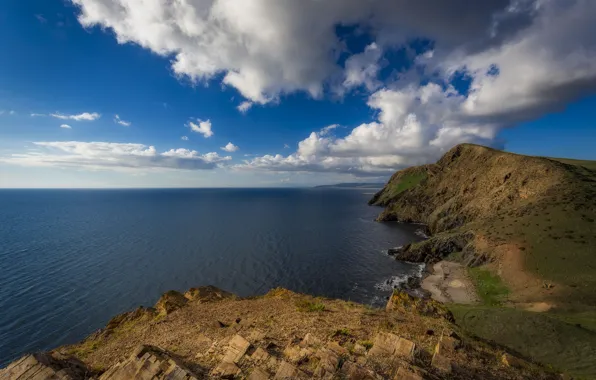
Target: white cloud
414, 126
12, 112
203, 127
118, 120
265, 48
524, 58
113, 156
184, 138
38, 115
362, 69
286, 146
65, 126
230, 147
85, 116
327, 130
245, 106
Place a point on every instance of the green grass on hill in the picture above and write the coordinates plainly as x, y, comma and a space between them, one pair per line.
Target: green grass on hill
406, 182
545, 337
489, 286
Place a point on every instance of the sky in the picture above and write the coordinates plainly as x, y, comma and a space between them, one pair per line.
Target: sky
261, 93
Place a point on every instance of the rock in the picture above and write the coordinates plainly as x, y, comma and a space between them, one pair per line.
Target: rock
353, 371
512, 361
44, 366
441, 363
359, 349
328, 363
236, 349
335, 347
395, 251
405, 374
405, 348
148, 363
226, 370
258, 374
447, 345
310, 340
384, 344
207, 294
387, 344
287, 371
260, 355
296, 354
170, 302
403, 302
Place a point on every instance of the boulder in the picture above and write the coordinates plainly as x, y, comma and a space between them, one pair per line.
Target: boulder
149, 363
406, 374
387, 344
236, 349
45, 366
328, 363
287, 371
258, 374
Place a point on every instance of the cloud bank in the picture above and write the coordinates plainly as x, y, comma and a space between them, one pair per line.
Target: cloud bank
113, 156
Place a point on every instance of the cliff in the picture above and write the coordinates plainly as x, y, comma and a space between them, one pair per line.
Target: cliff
209, 333
531, 219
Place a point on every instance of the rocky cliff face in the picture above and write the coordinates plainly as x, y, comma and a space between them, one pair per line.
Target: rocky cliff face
282, 335
485, 204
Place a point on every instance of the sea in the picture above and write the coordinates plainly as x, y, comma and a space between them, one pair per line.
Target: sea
72, 259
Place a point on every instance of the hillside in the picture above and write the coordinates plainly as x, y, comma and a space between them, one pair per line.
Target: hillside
533, 218
525, 227
209, 333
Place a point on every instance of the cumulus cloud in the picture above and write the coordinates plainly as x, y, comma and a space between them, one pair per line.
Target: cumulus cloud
362, 69
85, 116
118, 120
414, 126
201, 126
184, 138
245, 106
113, 156
230, 147
65, 126
522, 59
268, 48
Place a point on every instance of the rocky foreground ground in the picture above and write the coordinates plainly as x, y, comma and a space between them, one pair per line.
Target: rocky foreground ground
208, 333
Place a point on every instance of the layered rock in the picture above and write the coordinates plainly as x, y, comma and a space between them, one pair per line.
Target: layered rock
271, 337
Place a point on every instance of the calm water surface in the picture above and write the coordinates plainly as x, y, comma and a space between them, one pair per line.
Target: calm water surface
72, 259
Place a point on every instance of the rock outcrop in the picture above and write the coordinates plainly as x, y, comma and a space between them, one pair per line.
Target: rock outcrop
271, 337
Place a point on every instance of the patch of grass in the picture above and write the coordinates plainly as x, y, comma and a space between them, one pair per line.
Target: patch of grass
544, 337
407, 182
366, 344
341, 332
309, 306
489, 286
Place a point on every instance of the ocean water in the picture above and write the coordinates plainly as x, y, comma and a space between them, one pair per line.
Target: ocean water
72, 259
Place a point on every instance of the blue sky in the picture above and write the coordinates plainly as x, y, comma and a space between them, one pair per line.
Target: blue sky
101, 93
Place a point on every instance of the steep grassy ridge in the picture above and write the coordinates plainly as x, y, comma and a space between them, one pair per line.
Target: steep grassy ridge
526, 214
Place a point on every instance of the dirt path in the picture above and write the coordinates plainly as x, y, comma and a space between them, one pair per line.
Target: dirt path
449, 283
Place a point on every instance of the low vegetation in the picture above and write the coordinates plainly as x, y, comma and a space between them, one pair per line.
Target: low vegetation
489, 287
309, 306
